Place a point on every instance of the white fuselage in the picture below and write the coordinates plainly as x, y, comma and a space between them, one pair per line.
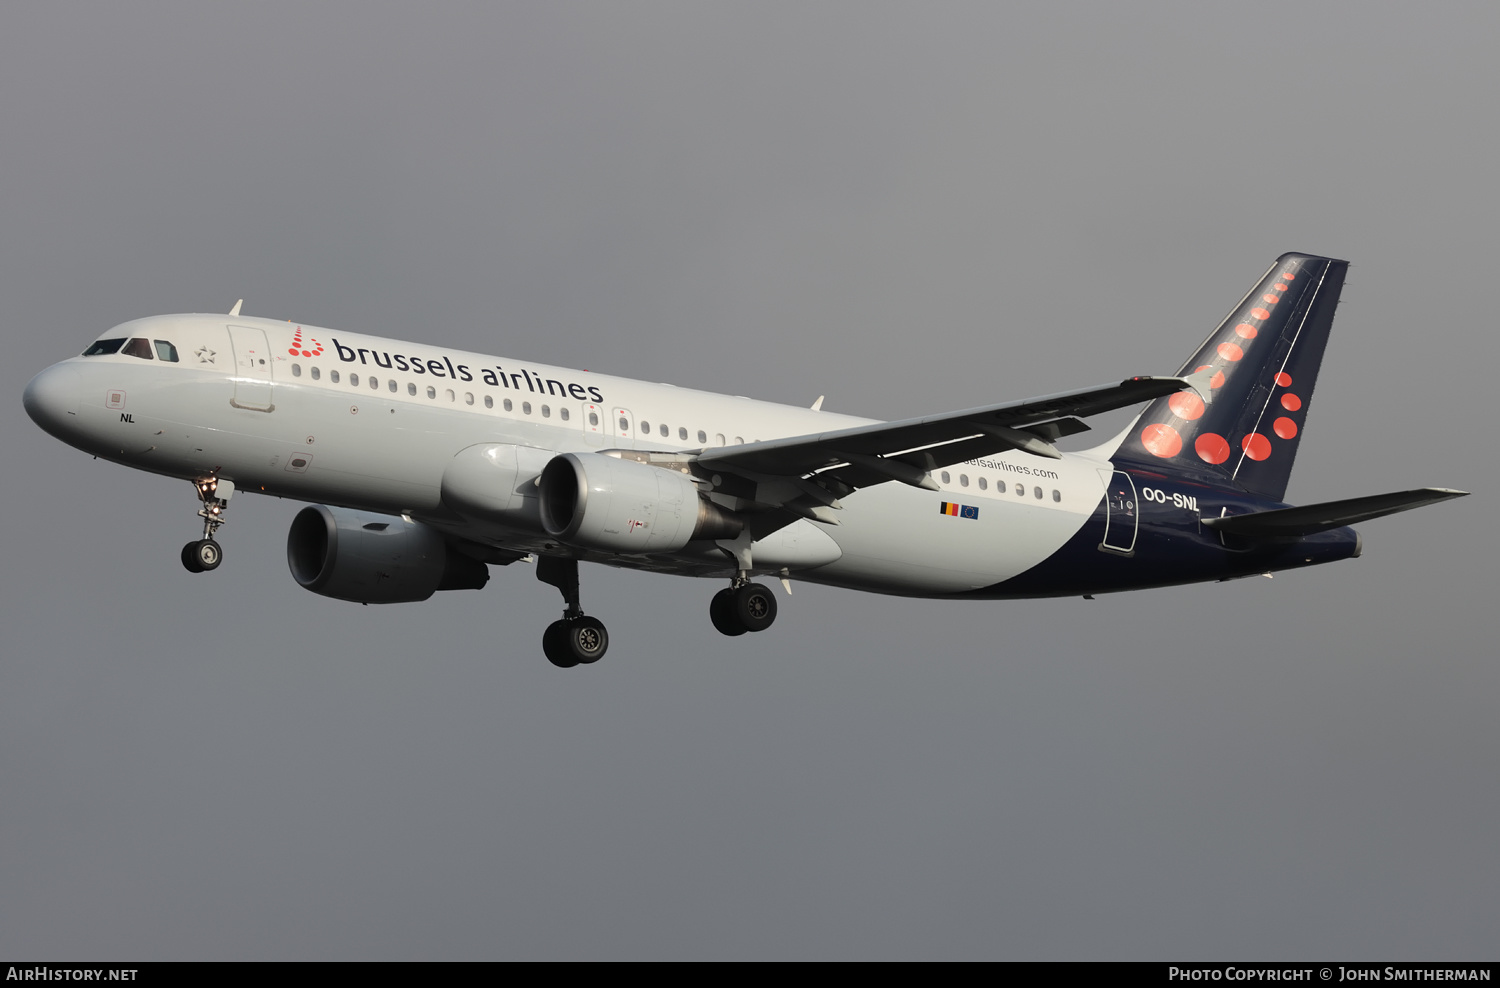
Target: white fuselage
326, 416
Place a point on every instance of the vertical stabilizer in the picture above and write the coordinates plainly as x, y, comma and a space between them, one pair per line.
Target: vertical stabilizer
1264, 357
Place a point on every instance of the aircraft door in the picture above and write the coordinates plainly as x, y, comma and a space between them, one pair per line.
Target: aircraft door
623, 424
1120, 519
252, 369
595, 424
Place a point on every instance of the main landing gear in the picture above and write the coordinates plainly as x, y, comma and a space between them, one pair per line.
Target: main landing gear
205, 554
743, 607
576, 639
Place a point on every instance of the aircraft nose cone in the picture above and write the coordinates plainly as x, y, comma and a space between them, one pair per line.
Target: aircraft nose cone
52, 400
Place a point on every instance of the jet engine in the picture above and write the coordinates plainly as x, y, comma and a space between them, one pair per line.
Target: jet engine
596, 501
375, 559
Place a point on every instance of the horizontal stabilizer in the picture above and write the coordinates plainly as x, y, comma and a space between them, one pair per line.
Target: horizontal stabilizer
1313, 518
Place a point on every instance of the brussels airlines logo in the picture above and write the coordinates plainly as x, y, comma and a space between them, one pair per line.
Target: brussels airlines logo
496, 377
310, 348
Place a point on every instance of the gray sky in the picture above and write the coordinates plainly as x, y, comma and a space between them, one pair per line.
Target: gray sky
910, 208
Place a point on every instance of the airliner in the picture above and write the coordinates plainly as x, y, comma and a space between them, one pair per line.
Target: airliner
424, 466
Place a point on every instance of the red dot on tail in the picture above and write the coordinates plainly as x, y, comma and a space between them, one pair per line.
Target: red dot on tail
1284, 379
1256, 446
307, 353
1260, 313
1230, 352
1285, 428
1185, 405
1291, 402
1273, 299
1288, 276
1246, 331
293, 351
1212, 448
1161, 440
1279, 288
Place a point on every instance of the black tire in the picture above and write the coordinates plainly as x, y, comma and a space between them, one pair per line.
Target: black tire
755, 606
555, 645
587, 640
190, 558
721, 613
207, 554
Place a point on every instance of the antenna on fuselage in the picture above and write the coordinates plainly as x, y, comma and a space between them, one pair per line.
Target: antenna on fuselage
236, 310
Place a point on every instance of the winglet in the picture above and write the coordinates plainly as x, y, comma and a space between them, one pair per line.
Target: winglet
236, 310
817, 406
1201, 382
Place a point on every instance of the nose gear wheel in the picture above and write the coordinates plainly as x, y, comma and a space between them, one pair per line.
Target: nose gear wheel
206, 554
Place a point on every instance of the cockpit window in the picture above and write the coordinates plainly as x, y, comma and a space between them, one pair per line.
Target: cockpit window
138, 348
102, 347
165, 351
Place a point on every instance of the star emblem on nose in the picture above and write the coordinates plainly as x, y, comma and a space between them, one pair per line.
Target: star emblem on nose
205, 355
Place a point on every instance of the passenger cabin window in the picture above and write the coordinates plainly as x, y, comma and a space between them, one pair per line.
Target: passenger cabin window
563, 413
138, 348
702, 436
489, 401
102, 347
682, 432
333, 376
411, 389
665, 432
165, 351
316, 373
296, 370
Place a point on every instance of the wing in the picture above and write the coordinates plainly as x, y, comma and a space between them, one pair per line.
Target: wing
907, 451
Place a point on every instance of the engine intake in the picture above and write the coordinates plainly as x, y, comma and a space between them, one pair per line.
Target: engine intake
375, 559
596, 501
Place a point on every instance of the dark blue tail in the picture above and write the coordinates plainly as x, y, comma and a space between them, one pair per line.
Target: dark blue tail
1265, 356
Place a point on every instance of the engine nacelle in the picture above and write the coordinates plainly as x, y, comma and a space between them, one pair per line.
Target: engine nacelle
375, 559
496, 482
599, 502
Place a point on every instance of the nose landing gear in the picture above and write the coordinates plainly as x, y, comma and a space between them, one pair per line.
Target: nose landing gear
206, 554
